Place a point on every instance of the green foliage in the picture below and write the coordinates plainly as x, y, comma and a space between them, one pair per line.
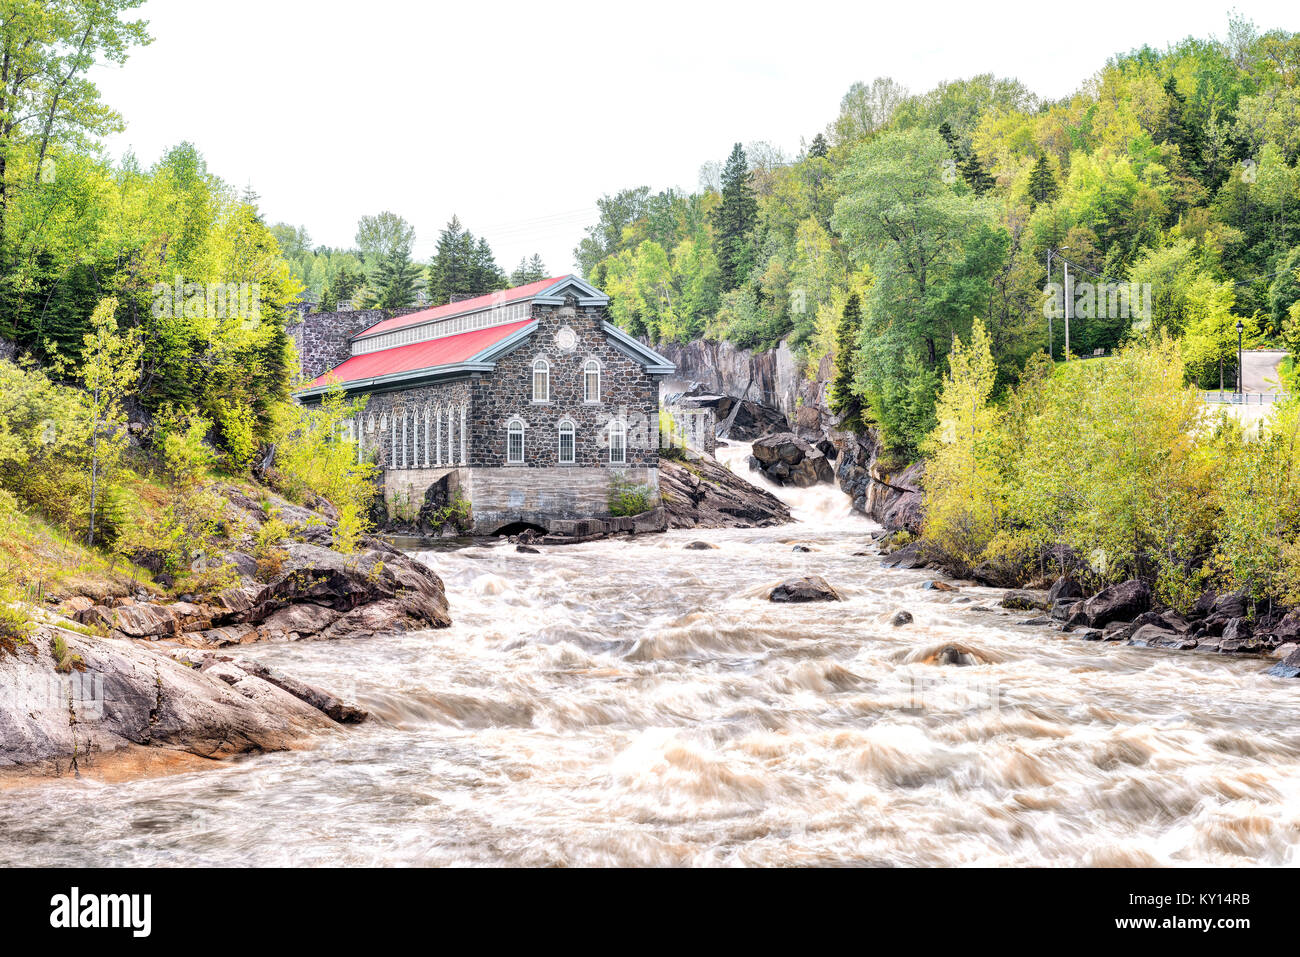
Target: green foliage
966, 455
462, 266
628, 498
315, 457
1108, 457
181, 438
734, 219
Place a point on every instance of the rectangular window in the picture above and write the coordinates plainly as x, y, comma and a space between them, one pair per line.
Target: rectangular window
567, 451
515, 446
618, 445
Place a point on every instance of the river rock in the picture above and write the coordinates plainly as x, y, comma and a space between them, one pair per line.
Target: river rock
901, 618
1025, 600
786, 459
1152, 636
337, 709
699, 492
1063, 608
1122, 602
1288, 667
119, 694
699, 546
1064, 587
913, 555
808, 588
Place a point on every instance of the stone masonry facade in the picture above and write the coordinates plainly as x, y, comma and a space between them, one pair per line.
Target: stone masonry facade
421, 434
627, 393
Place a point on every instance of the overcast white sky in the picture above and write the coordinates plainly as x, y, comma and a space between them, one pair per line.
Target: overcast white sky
517, 116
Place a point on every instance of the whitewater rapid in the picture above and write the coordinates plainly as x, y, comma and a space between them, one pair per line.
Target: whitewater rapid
630, 702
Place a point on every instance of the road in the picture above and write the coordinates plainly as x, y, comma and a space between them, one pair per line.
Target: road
1259, 370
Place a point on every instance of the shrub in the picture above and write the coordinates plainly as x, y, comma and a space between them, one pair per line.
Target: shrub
314, 456
628, 498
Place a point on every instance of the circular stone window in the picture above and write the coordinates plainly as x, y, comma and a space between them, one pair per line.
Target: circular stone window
566, 339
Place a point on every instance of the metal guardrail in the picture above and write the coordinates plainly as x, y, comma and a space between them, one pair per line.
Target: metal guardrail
1242, 398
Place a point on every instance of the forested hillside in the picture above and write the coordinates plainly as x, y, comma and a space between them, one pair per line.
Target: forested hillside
1172, 168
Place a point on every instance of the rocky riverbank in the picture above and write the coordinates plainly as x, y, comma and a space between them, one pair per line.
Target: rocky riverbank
700, 492
104, 675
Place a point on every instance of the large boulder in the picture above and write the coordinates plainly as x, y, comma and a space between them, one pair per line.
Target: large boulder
1026, 600
699, 492
810, 588
408, 591
786, 459
1064, 587
109, 696
1122, 602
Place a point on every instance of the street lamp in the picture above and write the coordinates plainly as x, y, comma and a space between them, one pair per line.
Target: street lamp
1241, 382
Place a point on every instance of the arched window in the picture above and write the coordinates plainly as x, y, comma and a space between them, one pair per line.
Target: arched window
591, 381
568, 451
515, 442
617, 442
541, 381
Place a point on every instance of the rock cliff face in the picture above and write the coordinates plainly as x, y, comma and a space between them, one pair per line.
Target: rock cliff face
769, 378
890, 495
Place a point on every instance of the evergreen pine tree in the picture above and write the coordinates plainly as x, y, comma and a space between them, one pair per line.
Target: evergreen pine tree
1042, 184
451, 269
520, 276
393, 282
818, 148
842, 400
734, 219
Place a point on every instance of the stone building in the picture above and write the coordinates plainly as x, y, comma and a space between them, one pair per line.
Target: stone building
526, 403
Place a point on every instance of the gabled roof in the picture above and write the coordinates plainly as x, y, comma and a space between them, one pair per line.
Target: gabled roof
476, 350
448, 351
487, 301
547, 291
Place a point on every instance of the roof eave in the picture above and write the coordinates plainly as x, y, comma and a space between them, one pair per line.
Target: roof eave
430, 373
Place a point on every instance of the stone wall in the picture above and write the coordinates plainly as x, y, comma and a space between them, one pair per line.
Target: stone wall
626, 392
324, 338
504, 496
404, 489
418, 428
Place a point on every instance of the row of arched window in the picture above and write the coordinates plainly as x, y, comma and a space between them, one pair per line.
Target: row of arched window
423, 437
566, 438
542, 380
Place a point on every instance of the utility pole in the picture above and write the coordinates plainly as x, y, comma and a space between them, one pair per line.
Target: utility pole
1067, 309
1051, 336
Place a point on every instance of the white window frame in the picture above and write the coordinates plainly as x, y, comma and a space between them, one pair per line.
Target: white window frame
541, 365
569, 429
587, 397
618, 427
516, 427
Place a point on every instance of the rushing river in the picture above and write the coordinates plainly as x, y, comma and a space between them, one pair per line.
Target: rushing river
631, 702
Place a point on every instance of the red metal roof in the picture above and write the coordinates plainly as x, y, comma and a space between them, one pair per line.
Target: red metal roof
420, 355
499, 298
